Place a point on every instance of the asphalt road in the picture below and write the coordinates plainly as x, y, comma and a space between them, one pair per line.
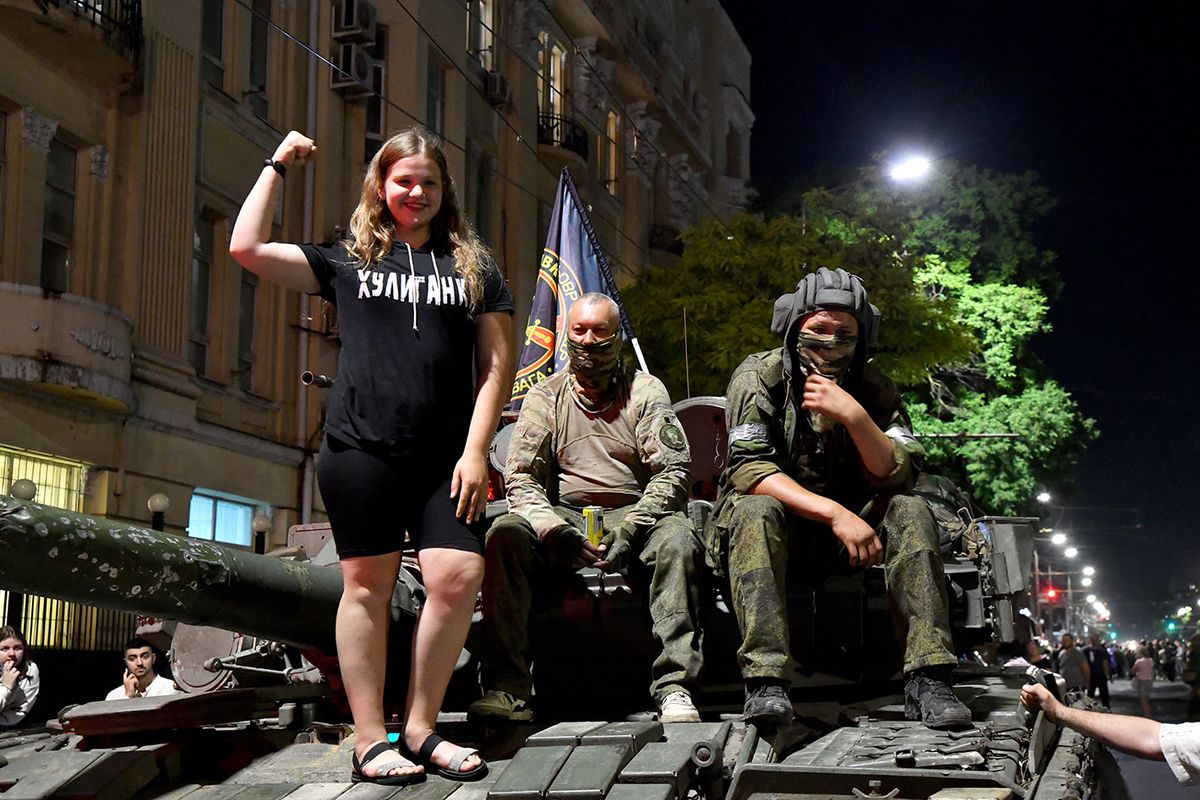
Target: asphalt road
1152, 780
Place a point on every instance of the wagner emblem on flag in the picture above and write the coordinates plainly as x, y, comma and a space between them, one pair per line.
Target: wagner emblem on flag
571, 265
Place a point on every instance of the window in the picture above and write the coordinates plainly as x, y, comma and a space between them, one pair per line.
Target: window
58, 220
479, 176
198, 288
435, 97
245, 362
376, 129
60, 481
3, 161
481, 22
733, 152
220, 517
50, 623
552, 61
260, 18
212, 43
610, 146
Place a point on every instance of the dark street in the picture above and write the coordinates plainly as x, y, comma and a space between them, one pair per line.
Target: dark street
1151, 780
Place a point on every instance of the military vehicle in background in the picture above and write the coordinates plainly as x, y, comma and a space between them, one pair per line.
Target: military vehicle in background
261, 712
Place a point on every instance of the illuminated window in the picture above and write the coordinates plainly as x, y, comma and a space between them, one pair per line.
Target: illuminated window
60, 481
552, 64
612, 150
222, 517
47, 623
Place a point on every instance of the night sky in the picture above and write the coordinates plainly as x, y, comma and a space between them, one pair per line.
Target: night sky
1098, 99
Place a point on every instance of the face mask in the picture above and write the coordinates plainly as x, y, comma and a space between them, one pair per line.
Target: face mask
829, 355
595, 365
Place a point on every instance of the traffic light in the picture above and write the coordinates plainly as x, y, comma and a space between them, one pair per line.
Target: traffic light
1171, 626
1052, 594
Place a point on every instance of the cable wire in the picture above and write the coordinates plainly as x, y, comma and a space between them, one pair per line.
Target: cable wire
496, 171
615, 99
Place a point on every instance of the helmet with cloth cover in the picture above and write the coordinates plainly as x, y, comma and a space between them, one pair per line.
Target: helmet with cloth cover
826, 290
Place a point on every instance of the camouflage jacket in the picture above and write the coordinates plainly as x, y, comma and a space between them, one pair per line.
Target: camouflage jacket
633, 453
769, 432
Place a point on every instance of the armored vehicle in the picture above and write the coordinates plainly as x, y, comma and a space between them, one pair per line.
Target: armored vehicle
261, 717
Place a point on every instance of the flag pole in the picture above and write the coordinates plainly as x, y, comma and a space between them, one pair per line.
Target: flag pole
602, 260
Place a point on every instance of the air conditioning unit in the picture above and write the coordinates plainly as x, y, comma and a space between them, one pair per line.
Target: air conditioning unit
352, 77
495, 88
354, 21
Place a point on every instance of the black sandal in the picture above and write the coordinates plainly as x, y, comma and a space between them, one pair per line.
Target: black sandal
386, 779
424, 757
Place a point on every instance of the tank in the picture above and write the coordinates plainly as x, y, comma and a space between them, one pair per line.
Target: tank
254, 646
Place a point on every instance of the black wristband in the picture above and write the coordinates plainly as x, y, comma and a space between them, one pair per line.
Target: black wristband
278, 166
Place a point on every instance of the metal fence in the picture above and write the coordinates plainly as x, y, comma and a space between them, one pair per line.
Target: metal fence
121, 19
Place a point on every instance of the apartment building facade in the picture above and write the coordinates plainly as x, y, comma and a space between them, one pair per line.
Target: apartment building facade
137, 359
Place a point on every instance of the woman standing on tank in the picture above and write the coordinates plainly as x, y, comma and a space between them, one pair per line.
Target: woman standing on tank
425, 367
19, 678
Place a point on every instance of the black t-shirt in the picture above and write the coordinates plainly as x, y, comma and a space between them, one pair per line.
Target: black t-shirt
406, 371
1097, 657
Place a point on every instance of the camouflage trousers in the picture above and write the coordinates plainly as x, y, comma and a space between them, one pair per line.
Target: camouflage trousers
670, 558
758, 530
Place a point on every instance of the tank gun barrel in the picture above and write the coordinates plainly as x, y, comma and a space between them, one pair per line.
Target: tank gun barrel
110, 564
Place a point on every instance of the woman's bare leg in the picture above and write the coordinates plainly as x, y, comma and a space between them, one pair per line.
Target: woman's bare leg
452, 579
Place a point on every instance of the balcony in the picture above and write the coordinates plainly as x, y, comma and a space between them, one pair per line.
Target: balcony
100, 40
558, 131
66, 345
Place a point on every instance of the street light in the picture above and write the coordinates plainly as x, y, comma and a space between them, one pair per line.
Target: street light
1086, 582
1091, 598
260, 525
24, 489
1089, 571
1043, 497
1059, 538
1071, 552
910, 168
158, 503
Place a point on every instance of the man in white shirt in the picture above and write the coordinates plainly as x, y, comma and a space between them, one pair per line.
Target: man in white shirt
1178, 745
140, 678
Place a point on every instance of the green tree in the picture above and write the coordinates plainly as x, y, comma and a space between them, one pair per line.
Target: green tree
962, 285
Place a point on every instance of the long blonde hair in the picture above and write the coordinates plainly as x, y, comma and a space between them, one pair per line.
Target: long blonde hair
372, 228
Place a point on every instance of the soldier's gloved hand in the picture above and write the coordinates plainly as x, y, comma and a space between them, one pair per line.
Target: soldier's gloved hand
617, 547
564, 546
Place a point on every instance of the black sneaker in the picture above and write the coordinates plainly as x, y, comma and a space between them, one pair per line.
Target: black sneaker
929, 698
768, 704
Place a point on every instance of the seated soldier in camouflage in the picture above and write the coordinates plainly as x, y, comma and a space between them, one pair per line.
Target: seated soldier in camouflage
595, 434
816, 434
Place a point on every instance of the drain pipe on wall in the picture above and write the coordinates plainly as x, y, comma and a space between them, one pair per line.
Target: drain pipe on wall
310, 187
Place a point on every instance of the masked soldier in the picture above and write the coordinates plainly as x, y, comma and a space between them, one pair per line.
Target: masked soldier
816, 434
595, 434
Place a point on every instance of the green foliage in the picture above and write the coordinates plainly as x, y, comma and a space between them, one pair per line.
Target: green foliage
962, 285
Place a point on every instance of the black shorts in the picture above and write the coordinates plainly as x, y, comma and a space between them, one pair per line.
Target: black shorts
373, 499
